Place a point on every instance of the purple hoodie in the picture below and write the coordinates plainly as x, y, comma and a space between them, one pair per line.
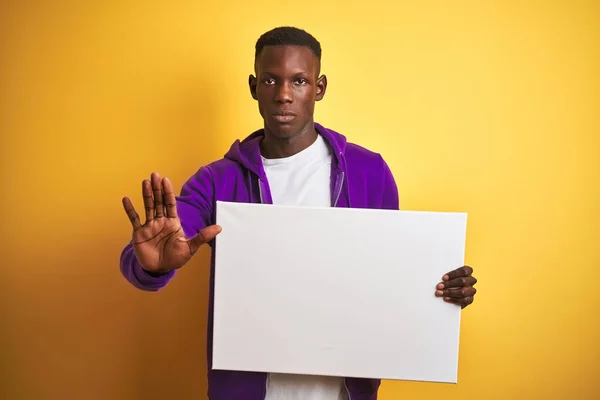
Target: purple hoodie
359, 179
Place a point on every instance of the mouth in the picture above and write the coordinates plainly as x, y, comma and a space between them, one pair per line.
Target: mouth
284, 116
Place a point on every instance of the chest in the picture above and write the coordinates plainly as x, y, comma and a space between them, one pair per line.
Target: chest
301, 184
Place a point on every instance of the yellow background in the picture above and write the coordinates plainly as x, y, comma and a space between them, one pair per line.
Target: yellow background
486, 107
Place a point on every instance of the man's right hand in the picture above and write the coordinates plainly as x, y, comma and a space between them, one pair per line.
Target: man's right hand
160, 244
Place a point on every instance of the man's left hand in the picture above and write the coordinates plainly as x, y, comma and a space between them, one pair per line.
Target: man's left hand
457, 286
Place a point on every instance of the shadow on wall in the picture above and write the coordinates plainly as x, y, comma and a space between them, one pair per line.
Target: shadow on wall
9, 375
169, 337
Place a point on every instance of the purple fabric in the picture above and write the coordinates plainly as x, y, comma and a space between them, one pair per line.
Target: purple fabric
359, 179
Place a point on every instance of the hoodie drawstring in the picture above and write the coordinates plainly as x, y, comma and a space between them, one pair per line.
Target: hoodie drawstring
345, 179
250, 186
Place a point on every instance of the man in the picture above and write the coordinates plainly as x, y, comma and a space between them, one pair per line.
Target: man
292, 160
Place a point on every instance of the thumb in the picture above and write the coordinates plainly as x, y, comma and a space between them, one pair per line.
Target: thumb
204, 236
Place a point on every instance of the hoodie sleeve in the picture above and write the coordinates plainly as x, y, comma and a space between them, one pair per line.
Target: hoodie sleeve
390, 199
195, 211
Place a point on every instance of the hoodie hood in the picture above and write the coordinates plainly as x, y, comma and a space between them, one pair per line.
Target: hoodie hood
247, 151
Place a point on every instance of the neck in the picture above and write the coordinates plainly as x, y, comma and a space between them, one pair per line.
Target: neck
277, 147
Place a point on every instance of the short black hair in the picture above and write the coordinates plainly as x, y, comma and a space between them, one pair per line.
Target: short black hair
288, 35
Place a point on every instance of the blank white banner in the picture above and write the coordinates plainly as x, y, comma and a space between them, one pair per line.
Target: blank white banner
336, 291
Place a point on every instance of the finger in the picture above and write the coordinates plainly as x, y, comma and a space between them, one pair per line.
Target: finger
159, 211
459, 272
148, 199
457, 293
131, 213
169, 198
462, 302
204, 236
458, 282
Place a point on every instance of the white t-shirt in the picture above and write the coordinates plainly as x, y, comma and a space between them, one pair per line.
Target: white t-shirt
303, 180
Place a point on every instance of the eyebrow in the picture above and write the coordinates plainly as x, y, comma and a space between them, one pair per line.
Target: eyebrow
296, 74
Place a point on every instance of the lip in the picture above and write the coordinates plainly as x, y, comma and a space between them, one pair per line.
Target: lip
284, 116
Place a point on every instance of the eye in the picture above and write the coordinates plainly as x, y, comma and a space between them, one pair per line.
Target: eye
269, 81
301, 81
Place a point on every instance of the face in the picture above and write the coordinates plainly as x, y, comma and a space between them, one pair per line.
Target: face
286, 87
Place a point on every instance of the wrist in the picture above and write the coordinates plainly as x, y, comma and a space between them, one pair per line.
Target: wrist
156, 273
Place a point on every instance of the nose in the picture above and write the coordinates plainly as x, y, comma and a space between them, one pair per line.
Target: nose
284, 93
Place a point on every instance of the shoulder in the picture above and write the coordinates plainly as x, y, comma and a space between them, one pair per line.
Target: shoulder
221, 166
360, 157
369, 171
216, 170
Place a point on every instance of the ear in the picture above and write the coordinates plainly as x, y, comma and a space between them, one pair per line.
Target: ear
321, 87
252, 84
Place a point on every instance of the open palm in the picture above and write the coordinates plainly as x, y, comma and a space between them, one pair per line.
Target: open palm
160, 244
